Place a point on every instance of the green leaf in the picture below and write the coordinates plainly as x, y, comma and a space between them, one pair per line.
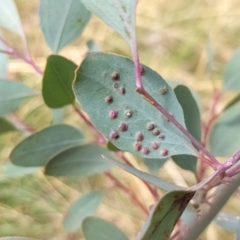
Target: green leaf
112, 147
79, 161
235, 100
153, 164
3, 60
158, 182
85, 206
164, 216
6, 126
12, 95
92, 46
99, 229
227, 221
9, 17
39, 148
63, 25
122, 115
117, 14
231, 74
223, 139
57, 82
13, 171
193, 123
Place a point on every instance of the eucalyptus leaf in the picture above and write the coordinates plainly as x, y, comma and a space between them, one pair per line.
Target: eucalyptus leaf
57, 115
79, 161
118, 14
193, 123
238, 230
153, 164
164, 216
231, 74
57, 82
227, 221
62, 21
6, 126
3, 59
92, 46
112, 147
99, 229
235, 100
224, 136
130, 122
160, 183
12, 95
83, 207
42, 146
9, 17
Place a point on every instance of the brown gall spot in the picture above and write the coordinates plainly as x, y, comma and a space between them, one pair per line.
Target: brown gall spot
155, 145
114, 135
139, 136
128, 113
123, 127
163, 90
156, 132
113, 114
145, 150
161, 137
150, 126
115, 76
142, 70
122, 90
115, 85
108, 99
164, 152
137, 146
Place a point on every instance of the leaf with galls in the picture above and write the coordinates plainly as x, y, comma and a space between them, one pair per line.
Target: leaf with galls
130, 122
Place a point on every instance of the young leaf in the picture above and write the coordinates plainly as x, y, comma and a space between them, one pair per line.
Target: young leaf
9, 17
62, 21
153, 164
13, 171
83, 207
12, 95
193, 123
231, 74
57, 82
164, 216
227, 221
6, 126
119, 112
118, 14
225, 131
79, 161
39, 148
158, 182
99, 229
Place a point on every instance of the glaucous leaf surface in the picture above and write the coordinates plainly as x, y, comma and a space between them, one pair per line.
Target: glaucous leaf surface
130, 122
42, 146
231, 74
9, 17
57, 82
97, 228
3, 60
164, 216
158, 182
57, 115
117, 14
62, 21
83, 207
227, 221
92, 46
224, 137
153, 164
6, 126
12, 95
193, 124
79, 161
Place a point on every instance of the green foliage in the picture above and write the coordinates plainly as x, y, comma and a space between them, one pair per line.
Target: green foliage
41, 147
79, 161
96, 228
64, 24
164, 215
80, 209
12, 95
57, 82
129, 107
6, 126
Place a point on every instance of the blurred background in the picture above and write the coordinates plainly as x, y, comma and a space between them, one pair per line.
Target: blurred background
188, 41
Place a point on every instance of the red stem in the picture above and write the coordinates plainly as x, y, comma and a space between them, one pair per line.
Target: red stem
130, 193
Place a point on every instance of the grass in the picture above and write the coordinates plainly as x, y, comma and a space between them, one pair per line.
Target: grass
172, 38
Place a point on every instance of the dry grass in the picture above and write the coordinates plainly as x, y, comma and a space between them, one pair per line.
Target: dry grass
172, 38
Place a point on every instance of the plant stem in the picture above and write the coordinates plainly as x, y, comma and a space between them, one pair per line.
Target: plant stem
128, 192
